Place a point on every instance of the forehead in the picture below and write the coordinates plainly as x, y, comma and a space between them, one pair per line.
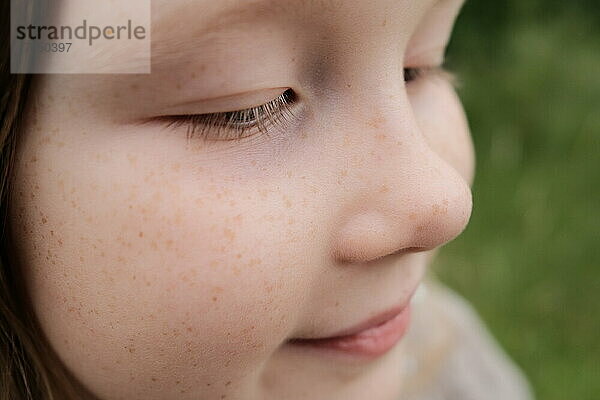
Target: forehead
209, 15
179, 25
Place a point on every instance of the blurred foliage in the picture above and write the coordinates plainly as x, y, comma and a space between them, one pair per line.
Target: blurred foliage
529, 261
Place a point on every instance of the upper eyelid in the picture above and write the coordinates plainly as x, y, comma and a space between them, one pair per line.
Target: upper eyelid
226, 103
276, 111
438, 71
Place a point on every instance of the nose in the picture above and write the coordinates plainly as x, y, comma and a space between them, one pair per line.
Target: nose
409, 200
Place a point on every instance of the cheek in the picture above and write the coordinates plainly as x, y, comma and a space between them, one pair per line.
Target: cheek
442, 120
146, 272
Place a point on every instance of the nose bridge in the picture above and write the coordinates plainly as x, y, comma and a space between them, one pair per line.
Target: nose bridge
416, 200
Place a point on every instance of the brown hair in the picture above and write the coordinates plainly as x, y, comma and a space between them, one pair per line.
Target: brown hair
29, 369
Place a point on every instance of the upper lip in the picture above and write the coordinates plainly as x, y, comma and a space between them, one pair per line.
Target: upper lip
369, 323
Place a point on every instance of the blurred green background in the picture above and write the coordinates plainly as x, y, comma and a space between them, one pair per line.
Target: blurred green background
529, 73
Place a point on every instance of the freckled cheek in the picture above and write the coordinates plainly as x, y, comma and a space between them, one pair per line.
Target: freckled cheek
180, 278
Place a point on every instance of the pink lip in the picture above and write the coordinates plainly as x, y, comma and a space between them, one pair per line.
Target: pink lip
369, 339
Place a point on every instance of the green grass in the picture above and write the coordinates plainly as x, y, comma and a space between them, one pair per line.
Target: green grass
529, 260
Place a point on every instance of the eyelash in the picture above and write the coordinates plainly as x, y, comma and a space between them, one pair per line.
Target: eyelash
235, 125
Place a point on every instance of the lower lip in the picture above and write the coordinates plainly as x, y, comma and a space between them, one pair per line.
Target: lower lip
370, 343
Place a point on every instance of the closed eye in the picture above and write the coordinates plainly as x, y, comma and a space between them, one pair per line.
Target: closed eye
234, 125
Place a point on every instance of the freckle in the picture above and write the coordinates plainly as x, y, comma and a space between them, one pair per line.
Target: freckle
291, 221
384, 189
344, 173
380, 136
81, 259
193, 75
132, 159
348, 85
384, 23
412, 216
44, 220
141, 234
254, 261
228, 383
376, 122
337, 303
288, 203
134, 86
176, 167
238, 255
153, 379
178, 86
214, 299
229, 234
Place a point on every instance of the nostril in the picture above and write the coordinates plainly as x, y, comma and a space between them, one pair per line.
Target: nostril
414, 249
400, 252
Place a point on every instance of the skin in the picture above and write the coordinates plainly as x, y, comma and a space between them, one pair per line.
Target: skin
161, 268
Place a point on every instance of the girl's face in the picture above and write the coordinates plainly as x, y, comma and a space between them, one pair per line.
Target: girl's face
166, 268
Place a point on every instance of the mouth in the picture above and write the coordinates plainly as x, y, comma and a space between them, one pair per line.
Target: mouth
369, 339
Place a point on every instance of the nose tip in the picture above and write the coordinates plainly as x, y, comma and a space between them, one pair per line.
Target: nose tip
442, 217
419, 217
